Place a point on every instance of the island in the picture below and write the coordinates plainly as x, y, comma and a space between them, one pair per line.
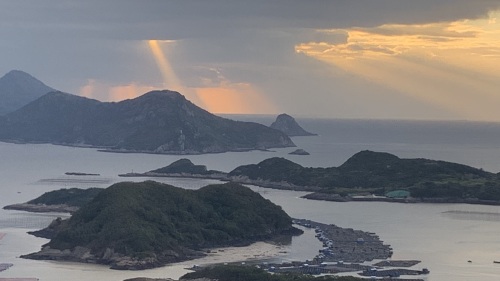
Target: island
299, 151
289, 126
162, 122
182, 168
80, 174
368, 176
148, 224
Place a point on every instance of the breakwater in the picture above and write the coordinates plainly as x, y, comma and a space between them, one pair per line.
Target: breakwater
347, 250
347, 244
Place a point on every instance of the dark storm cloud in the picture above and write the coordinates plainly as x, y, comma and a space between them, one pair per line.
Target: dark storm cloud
187, 18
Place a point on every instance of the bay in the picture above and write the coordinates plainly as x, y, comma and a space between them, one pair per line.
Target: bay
444, 236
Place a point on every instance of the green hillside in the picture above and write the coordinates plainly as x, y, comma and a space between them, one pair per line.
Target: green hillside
161, 223
379, 173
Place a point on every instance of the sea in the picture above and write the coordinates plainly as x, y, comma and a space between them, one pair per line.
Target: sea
454, 241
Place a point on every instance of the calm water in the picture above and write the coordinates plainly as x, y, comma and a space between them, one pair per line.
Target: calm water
443, 236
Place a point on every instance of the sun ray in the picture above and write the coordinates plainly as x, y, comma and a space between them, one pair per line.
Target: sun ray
169, 77
452, 65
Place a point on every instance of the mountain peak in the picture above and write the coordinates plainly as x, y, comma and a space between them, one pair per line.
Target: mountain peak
18, 88
17, 73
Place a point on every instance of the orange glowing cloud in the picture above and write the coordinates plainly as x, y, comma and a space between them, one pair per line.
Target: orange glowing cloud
455, 66
235, 99
104, 92
220, 96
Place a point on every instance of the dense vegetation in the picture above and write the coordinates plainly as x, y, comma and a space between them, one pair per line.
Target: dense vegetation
248, 273
71, 197
148, 219
158, 121
379, 173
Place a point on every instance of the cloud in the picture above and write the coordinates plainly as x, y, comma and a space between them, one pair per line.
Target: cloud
99, 90
259, 48
457, 73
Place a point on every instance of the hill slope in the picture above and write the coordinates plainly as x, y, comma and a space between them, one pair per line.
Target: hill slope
156, 122
18, 88
143, 225
379, 173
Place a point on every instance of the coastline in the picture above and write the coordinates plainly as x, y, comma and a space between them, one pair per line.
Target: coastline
133, 151
316, 193
335, 198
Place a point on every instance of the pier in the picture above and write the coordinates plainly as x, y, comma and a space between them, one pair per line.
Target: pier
348, 250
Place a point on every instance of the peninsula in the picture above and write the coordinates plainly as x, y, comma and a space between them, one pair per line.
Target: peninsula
162, 122
59, 201
149, 224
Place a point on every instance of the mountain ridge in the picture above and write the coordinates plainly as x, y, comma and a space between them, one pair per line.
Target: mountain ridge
156, 122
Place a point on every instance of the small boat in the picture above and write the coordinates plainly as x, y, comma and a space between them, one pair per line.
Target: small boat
496, 261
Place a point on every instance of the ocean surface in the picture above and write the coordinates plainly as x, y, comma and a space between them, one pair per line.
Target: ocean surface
445, 237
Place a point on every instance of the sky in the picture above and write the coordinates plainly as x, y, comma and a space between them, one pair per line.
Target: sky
377, 59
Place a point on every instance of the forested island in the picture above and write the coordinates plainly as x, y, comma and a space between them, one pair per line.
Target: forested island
149, 224
366, 176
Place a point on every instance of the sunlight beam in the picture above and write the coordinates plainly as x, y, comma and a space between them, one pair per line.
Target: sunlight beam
169, 77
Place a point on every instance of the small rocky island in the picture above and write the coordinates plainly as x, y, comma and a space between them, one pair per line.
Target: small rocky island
289, 126
183, 168
144, 225
299, 151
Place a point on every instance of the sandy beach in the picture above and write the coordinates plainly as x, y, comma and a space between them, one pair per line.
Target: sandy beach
255, 252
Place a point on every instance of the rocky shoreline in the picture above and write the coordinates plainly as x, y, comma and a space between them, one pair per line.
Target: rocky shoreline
114, 260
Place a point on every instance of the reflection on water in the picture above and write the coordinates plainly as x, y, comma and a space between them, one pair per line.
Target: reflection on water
473, 215
76, 181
